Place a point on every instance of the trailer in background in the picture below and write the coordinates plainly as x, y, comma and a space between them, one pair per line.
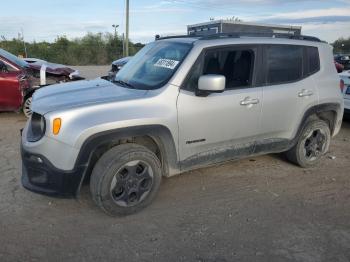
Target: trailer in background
233, 26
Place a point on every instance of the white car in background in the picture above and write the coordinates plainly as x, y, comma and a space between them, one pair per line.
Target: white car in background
345, 87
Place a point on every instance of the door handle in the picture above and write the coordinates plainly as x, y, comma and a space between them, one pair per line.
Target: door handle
305, 92
249, 101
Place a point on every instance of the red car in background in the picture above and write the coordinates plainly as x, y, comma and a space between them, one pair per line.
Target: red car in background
15, 83
19, 79
339, 67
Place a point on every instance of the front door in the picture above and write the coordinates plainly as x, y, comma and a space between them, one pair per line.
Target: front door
220, 126
10, 93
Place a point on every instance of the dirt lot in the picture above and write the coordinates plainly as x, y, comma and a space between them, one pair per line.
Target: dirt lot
92, 71
258, 209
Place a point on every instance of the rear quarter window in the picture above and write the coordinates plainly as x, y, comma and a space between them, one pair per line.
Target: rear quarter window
312, 64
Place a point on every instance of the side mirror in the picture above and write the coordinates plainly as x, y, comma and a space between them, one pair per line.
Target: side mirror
211, 84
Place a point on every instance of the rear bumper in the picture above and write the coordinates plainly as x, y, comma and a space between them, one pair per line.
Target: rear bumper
40, 176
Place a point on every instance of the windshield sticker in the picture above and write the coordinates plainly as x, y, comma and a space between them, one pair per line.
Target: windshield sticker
166, 63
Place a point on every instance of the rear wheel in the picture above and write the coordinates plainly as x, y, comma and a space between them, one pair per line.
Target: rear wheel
313, 143
27, 107
125, 179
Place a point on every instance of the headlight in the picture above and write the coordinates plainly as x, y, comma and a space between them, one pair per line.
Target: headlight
36, 128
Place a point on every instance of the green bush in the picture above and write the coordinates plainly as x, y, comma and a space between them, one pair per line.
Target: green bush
342, 45
92, 49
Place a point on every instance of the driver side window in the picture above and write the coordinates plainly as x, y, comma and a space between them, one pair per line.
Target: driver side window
235, 64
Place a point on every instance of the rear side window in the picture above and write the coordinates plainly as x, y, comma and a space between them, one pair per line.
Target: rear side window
312, 64
284, 63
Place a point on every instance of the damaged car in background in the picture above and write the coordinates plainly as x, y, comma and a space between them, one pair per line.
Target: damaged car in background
19, 79
117, 65
55, 73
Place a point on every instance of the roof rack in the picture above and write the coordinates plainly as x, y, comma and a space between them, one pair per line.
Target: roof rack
244, 34
158, 37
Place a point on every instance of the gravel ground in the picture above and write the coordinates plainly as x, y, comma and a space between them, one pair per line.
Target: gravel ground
91, 72
257, 209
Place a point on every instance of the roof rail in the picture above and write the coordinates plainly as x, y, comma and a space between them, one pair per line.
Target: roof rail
158, 37
272, 35
244, 34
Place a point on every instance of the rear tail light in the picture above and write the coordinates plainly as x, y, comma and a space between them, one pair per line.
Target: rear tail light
342, 85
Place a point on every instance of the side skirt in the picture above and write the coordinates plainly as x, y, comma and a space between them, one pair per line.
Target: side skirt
237, 152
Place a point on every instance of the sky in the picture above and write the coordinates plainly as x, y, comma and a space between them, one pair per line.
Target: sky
45, 20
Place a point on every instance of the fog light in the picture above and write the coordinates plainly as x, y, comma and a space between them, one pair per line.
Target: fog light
38, 177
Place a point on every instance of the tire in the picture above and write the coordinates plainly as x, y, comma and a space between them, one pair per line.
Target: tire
27, 111
313, 143
125, 179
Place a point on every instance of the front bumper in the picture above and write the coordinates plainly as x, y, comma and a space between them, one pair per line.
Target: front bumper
40, 176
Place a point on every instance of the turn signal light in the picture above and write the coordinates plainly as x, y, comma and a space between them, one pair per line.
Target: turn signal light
56, 126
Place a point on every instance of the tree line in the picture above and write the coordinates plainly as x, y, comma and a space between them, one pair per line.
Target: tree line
92, 49
342, 46
95, 49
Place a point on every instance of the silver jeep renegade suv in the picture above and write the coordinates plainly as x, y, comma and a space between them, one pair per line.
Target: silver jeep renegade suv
182, 103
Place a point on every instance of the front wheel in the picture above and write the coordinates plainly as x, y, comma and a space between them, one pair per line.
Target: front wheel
125, 179
27, 107
313, 143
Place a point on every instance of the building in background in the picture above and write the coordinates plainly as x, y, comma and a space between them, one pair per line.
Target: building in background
234, 26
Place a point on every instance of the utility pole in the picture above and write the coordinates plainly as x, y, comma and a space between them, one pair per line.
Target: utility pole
123, 40
24, 44
127, 29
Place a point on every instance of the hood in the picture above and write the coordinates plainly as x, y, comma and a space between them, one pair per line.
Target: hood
51, 68
122, 61
81, 93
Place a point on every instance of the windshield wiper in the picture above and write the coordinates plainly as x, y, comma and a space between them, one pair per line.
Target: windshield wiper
123, 83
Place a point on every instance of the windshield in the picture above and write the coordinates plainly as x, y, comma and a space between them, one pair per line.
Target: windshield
12, 58
153, 65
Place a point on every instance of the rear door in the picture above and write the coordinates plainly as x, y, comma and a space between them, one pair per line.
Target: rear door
288, 92
10, 93
220, 126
